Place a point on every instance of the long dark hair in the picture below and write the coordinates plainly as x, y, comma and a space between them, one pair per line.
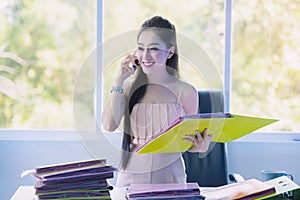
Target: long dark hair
166, 31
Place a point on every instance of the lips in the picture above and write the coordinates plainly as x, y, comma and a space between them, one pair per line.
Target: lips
148, 64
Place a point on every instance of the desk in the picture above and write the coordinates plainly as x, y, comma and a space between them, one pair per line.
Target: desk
27, 193
23, 192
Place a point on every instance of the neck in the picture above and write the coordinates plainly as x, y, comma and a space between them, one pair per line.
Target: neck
163, 77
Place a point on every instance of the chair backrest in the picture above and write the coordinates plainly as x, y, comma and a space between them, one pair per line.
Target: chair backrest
208, 169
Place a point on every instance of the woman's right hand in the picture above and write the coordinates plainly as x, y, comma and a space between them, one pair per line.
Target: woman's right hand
201, 141
125, 70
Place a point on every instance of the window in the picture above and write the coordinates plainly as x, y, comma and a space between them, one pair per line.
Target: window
265, 61
198, 23
42, 46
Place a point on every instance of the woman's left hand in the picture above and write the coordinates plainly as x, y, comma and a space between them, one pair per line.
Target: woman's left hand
201, 141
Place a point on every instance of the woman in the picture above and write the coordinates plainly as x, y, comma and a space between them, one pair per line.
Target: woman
149, 103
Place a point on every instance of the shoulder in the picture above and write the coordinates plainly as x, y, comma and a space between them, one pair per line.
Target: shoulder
187, 90
188, 97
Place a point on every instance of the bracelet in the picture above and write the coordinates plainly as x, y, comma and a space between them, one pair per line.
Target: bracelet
117, 89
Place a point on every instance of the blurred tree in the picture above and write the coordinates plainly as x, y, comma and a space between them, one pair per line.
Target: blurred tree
200, 21
53, 37
9, 89
266, 68
44, 43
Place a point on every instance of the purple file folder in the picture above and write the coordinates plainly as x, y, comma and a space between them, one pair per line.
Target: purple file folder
70, 166
163, 191
78, 172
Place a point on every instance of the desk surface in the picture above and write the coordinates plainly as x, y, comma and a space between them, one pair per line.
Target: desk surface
23, 192
27, 193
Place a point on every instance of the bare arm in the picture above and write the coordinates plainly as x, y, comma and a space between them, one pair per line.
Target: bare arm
113, 111
190, 100
201, 141
115, 108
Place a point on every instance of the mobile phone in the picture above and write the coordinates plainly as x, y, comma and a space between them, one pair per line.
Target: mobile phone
136, 63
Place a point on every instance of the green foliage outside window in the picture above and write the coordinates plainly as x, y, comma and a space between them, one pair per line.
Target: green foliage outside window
266, 62
51, 38
43, 44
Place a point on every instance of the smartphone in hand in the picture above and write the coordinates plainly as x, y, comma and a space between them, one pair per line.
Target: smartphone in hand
135, 65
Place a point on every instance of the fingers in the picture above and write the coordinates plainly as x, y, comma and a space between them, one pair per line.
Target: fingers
205, 133
126, 69
201, 141
127, 62
199, 137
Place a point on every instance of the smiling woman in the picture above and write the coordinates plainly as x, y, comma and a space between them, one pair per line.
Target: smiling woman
203, 23
150, 103
264, 52
55, 37
52, 61
153, 55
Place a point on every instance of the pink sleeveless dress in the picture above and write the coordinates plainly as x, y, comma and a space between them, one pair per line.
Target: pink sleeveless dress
146, 120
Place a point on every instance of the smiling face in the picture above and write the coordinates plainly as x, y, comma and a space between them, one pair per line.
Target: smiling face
152, 52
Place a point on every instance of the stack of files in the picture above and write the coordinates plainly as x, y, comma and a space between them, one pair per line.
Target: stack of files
168, 191
76, 180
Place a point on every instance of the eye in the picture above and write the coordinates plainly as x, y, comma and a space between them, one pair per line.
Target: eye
140, 49
154, 49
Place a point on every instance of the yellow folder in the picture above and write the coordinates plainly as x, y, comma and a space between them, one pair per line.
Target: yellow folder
224, 128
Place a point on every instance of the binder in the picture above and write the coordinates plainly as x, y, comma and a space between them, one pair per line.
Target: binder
64, 167
80, 195
78, 172
50, 169
164, 191
224, 127
82, 178
41, 188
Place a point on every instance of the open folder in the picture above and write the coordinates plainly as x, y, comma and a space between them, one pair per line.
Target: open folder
224, 127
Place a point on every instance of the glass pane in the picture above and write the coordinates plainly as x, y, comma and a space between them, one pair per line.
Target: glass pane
199, 25
42, 46
266, 62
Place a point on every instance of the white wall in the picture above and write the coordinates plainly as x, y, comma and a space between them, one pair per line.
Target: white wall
274, 151
21, 150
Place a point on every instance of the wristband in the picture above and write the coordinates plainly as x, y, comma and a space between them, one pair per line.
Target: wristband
117, 89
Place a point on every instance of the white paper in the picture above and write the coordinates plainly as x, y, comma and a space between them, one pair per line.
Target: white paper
283, 184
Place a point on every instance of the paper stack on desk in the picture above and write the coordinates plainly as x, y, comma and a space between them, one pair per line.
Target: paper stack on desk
248, 189
76, 180
168, 191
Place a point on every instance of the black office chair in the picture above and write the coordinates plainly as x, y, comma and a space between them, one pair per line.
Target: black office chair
208, 169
